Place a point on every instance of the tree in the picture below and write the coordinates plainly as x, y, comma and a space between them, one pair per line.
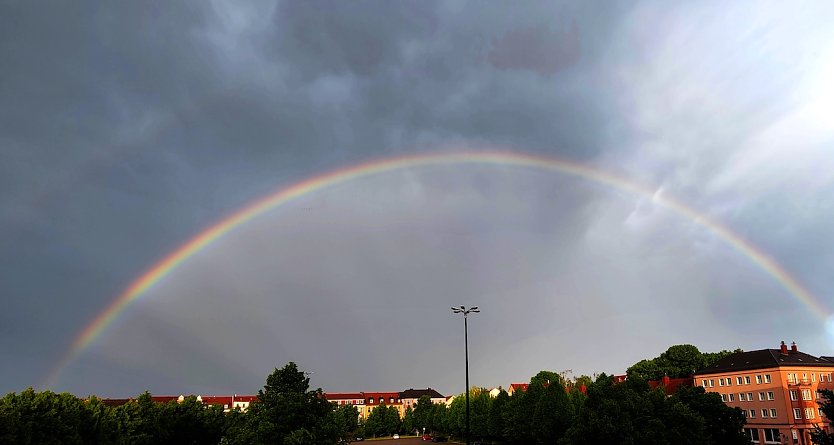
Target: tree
422, 413
286, 404
724, 423
553, 413
820, 436
346, 420
383, 421
495, 428
407, 426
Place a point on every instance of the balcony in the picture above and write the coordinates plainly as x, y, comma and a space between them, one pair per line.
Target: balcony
799, 382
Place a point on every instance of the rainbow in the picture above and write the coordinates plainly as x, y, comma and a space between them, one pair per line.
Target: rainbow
502, 158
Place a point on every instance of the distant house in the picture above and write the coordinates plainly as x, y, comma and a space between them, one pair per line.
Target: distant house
670, 386
410, 397
228, 403
517, 386
374, 399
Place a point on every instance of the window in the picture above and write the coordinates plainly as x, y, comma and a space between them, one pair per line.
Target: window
749, 396
813, 377
770, 395
747, 380
761, 397
732, 397
738, 380
721, 382
752, 433
772, 412
765, 412
794, 396
792, 378
809, 413
729, 381
390, 400
797, 414
758, 379
711, 383
742, 397
806, 394
752, 413
767, 378
723, 397
771, 435
704, 383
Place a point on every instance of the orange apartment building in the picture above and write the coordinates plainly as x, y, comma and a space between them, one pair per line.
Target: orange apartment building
776, 389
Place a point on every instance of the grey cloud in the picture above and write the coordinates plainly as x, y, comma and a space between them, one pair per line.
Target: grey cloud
127, 129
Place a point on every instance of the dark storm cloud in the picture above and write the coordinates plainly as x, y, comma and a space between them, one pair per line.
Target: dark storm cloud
125, 129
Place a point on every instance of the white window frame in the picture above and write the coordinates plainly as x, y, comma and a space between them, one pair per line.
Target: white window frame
758, 379
767, 378
770, 395
752, 413
739, 380
794, 395
774, 435
809, 413
773, 412
742, 397
749, 396
761, 396
747, 380
732, 397
797, 414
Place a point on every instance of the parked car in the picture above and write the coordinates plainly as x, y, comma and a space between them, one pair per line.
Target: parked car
396, 436
426, 436
439, 439
358, 439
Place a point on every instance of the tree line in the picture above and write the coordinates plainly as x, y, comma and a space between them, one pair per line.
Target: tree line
551, 410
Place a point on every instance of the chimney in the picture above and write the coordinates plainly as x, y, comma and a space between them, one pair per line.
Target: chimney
793, 347
783, 348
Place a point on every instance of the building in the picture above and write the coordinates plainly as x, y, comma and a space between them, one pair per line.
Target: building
374, 399
228, 403
517, 386
410, 397
670, 386
776, 389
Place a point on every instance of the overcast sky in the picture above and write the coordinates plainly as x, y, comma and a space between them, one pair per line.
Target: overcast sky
128, 128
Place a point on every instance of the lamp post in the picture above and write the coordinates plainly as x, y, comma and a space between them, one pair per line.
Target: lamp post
466, 312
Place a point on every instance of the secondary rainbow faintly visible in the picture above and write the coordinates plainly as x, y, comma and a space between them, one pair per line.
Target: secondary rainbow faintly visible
504, 158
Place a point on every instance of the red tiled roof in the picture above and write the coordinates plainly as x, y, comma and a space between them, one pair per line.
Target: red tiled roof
217, 400
671, 386
372, 398
343, 395
517, 386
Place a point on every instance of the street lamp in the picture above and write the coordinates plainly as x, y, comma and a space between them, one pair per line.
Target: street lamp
466, 312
